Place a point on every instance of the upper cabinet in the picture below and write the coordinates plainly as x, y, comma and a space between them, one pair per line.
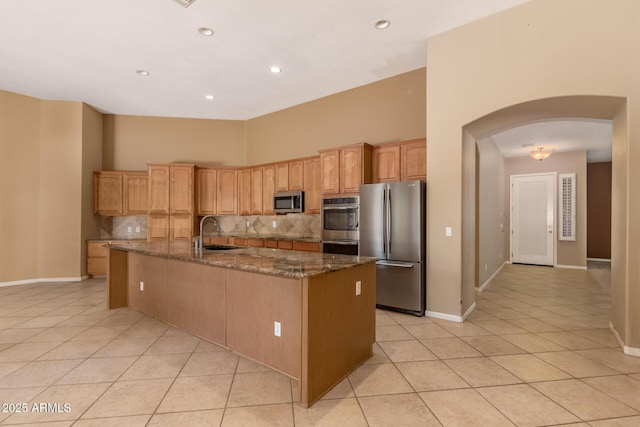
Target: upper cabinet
413, 160
159, 189
256, 193
244, 191
282, 176
181, 189
227, 191
400, 161
268, 188
120, 193
344, 169
206, 193
296, 175
312, 201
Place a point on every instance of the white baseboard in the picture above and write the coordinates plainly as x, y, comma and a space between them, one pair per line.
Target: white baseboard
573, 267
631, 351
44, 280
444, 316
486, 283
599, 259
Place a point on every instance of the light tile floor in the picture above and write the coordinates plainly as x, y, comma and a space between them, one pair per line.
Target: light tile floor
536, 351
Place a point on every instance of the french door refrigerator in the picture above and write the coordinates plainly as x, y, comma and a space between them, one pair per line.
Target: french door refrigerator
392, 228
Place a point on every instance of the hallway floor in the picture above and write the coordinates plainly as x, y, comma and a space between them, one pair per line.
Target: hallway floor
536, 351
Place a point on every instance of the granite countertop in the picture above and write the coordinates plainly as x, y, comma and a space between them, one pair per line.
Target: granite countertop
105, 239
266, 237
294, 264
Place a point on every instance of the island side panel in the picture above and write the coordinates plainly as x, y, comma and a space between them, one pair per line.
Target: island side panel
196, 299
116, 279
254, 302
151, 299
339, 327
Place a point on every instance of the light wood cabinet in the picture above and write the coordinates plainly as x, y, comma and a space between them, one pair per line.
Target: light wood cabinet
206, 201
268, 187
171, 214
306, 246
386, 163
97, 252
227, 191
285, 244
296, 175
244, 190
414, 160
344, 169
256, 191
312, 185
271, 243
108, 193
136, 193
282, 176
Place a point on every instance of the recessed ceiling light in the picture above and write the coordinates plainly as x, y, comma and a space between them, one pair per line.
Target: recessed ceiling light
209, 97
275, 69
144, 73
382, 24
207, 32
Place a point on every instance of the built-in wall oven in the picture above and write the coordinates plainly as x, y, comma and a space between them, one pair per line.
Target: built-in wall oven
340, 217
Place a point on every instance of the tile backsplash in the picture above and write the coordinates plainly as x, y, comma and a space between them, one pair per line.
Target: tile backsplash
289, 225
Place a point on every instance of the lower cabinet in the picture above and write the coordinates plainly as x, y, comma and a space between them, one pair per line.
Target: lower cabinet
97, 255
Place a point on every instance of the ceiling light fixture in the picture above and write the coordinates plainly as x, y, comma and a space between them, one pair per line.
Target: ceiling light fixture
185, 3
382, 24
207, 32
143, 73
275, 69
541, 153
209, 97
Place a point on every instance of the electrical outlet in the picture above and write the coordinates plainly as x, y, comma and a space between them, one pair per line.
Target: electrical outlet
248, 223
358, 287
128, 229
448, 232
274, 224
141, 286
485, 267
137, 229
277, 330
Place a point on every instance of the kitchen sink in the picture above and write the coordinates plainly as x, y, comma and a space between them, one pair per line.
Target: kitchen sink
220, 247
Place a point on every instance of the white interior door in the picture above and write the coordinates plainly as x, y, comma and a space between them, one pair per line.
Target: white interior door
533, 218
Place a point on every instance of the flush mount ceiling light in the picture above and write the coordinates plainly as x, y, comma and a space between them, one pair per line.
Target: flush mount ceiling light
143, 73
185, 3
541, 153
207, 32
382, 24
275, 69
209, 97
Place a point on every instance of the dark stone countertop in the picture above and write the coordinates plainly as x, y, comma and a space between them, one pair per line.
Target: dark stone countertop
286, 263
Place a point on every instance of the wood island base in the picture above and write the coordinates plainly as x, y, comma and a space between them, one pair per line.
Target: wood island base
326, 330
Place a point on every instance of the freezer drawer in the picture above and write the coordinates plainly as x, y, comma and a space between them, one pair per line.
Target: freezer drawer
400, 285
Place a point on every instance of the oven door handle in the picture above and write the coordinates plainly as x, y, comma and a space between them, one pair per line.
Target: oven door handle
340, 242
329, 208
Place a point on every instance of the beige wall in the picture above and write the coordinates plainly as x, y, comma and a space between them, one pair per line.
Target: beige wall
130, 142
387, 110
540, 50
19, 186
569, 253
492, 214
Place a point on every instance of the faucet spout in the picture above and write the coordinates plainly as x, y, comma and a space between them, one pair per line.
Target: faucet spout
200, 242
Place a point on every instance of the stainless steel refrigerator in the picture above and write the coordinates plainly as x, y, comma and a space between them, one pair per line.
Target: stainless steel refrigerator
392, 228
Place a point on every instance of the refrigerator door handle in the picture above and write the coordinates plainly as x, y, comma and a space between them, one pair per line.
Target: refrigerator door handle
388, 214
384, 222
395, 264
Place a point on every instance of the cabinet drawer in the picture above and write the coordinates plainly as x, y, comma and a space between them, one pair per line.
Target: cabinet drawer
271, 243
285, 244
97, 265
240, 241
256, 243
97, 249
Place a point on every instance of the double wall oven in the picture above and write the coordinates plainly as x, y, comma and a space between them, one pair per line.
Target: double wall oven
340, 219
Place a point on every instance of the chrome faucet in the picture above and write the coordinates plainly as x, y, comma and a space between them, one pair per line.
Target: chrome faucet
200, 241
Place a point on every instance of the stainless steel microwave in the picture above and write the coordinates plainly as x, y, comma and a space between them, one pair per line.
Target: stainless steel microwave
287, 202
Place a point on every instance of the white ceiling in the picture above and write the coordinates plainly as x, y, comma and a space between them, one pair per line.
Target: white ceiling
89, 50
594, 136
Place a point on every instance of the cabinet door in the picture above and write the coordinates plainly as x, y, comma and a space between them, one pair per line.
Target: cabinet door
312, 200
136, 193
181, 189
157, 228
268, 186
414, 160
227, 193
330, 171
244, 188
206, 200
351, 164
256, 191
282, 177
158, 189
107, 193
306, 246
181, 227
296, 175
386, 164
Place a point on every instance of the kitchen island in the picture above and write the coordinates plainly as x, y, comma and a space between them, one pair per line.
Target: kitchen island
308, 315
